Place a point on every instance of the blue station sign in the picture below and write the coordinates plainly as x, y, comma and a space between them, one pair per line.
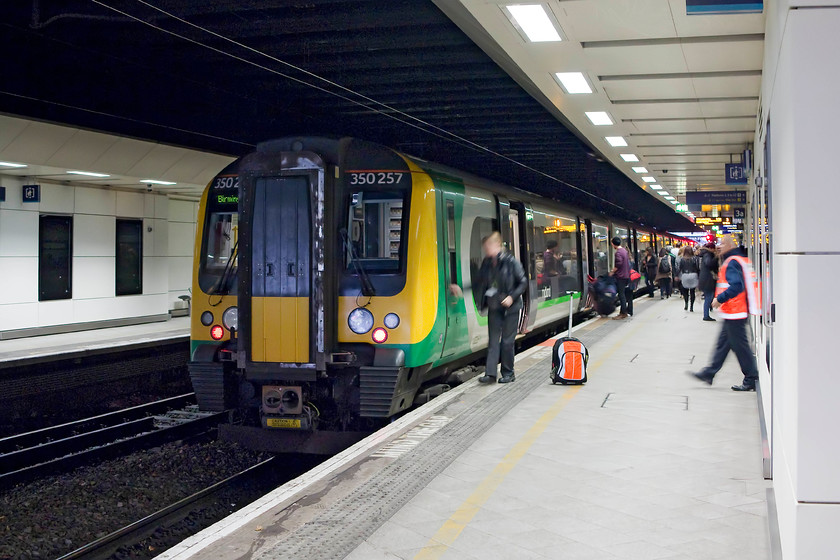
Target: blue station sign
707, 7
31, 193
735, 174
700, 198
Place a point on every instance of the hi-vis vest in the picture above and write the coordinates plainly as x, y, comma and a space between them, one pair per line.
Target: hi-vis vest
747, 302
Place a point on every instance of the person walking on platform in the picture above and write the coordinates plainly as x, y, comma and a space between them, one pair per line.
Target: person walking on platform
649, 269
689, 276
708, 278
502, 282
663, 273
737, 298
621, 273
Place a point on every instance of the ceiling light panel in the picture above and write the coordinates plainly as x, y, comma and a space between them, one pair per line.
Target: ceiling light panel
648, 179
534, 22
656, 187
573, 83
88, 174
599, 118
630, 157
156, 182
663, 193
640, 169
11, 165
616, 141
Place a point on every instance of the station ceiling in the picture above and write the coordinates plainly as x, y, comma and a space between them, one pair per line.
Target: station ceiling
224, 75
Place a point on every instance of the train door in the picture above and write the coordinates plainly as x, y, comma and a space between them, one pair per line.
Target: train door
514, 245
456, 334
281, 250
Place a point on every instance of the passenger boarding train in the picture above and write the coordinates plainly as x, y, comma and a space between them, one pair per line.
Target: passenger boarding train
333, 284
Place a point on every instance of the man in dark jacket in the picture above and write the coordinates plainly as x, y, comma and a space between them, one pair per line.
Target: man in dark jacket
621, 273
737, 298
708, 278
502, 282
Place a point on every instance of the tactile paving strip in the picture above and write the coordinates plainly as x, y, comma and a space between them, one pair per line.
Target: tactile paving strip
336, 532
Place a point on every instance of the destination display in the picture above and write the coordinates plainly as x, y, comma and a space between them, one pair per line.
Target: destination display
699, 198
719, 221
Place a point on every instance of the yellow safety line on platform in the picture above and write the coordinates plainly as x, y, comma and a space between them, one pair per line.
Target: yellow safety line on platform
452, 528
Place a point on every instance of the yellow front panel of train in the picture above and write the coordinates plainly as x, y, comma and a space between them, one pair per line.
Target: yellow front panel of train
280, 329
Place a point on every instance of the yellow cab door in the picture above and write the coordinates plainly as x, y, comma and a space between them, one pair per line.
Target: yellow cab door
281, 270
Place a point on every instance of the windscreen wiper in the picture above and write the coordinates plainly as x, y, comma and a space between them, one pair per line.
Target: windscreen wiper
227, 273
367, 286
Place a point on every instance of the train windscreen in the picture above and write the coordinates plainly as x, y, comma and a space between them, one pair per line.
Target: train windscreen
218, 263
376, 220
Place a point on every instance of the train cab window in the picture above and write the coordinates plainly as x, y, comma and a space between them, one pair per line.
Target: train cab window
555, 251
601, 249
217, 274
376, 230
55, 257
129, 261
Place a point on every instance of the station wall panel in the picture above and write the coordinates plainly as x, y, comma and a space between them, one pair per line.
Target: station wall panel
94, 236
160, 238
162, 207
18, 234
59, 312
181, 239
94, 277
131, 205
18, 280
182, 211
59, 199
18, 316
95, 201
180, 274
155, 275
14, 195
149, 205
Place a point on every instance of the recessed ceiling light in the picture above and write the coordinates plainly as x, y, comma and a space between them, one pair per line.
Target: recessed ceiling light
10, 164
88, 174
673, 201
574, 82
648, 179
629, 157
156, 182
616, 141
663, 193
656, 187
669, 197
599, 118
640, 169
534, 22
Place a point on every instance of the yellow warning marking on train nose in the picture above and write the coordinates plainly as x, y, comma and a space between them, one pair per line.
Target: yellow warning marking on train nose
452, 528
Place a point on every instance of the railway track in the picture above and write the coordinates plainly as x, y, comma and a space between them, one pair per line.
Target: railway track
34, 454
122, 541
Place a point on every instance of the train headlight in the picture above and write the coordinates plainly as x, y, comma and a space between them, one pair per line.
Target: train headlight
230, 318
379, 335
392, 320
206, 318
360, 320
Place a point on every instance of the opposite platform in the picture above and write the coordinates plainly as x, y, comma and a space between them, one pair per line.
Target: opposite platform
642, 462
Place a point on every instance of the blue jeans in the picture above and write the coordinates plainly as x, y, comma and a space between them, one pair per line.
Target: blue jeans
708, 296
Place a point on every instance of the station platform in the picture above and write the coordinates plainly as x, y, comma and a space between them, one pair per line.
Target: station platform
46, 348
643, 462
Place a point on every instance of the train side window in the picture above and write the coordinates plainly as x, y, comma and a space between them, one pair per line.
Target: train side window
450, 230
55, 257
129, 261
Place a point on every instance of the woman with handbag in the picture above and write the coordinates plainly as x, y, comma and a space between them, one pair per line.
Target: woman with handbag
689, 276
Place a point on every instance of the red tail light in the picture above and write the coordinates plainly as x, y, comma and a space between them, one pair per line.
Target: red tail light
379, 335
217, 332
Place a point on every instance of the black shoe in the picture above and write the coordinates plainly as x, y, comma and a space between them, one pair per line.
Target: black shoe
486, 379
709, 319
743, 387
507, 378
691, 310
685, 308
704, 377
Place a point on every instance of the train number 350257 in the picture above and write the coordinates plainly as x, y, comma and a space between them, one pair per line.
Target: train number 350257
376, 178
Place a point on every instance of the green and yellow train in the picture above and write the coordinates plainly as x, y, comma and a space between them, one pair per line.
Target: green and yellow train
333, 279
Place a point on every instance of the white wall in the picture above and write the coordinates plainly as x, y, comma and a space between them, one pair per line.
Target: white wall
800, 93
168, 233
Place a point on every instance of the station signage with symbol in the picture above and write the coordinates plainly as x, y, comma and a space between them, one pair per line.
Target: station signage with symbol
735, 174
2, 194
699, 198
31, 193
740, 213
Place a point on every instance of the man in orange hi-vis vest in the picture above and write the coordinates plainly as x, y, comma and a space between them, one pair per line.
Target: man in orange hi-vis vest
737, 297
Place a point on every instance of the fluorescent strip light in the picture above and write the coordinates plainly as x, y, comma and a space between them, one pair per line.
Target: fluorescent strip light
640, 169
663, 193
629, 157
648, 179
10, 164
88, 174
669, 197
534, 22
156, 182
616, 141
673, 202
574, 82
599, 118
656, 187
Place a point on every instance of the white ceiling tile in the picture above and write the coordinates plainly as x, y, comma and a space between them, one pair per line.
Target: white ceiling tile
658, 110
10, 127
642, 59
724, 56
37, 142
735, 86
653, 153
682, 88
610, 20
694, 125
729, 108
715, 125
82, 150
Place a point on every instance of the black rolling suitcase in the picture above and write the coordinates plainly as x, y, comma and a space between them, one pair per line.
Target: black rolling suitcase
569, 357
605, 291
